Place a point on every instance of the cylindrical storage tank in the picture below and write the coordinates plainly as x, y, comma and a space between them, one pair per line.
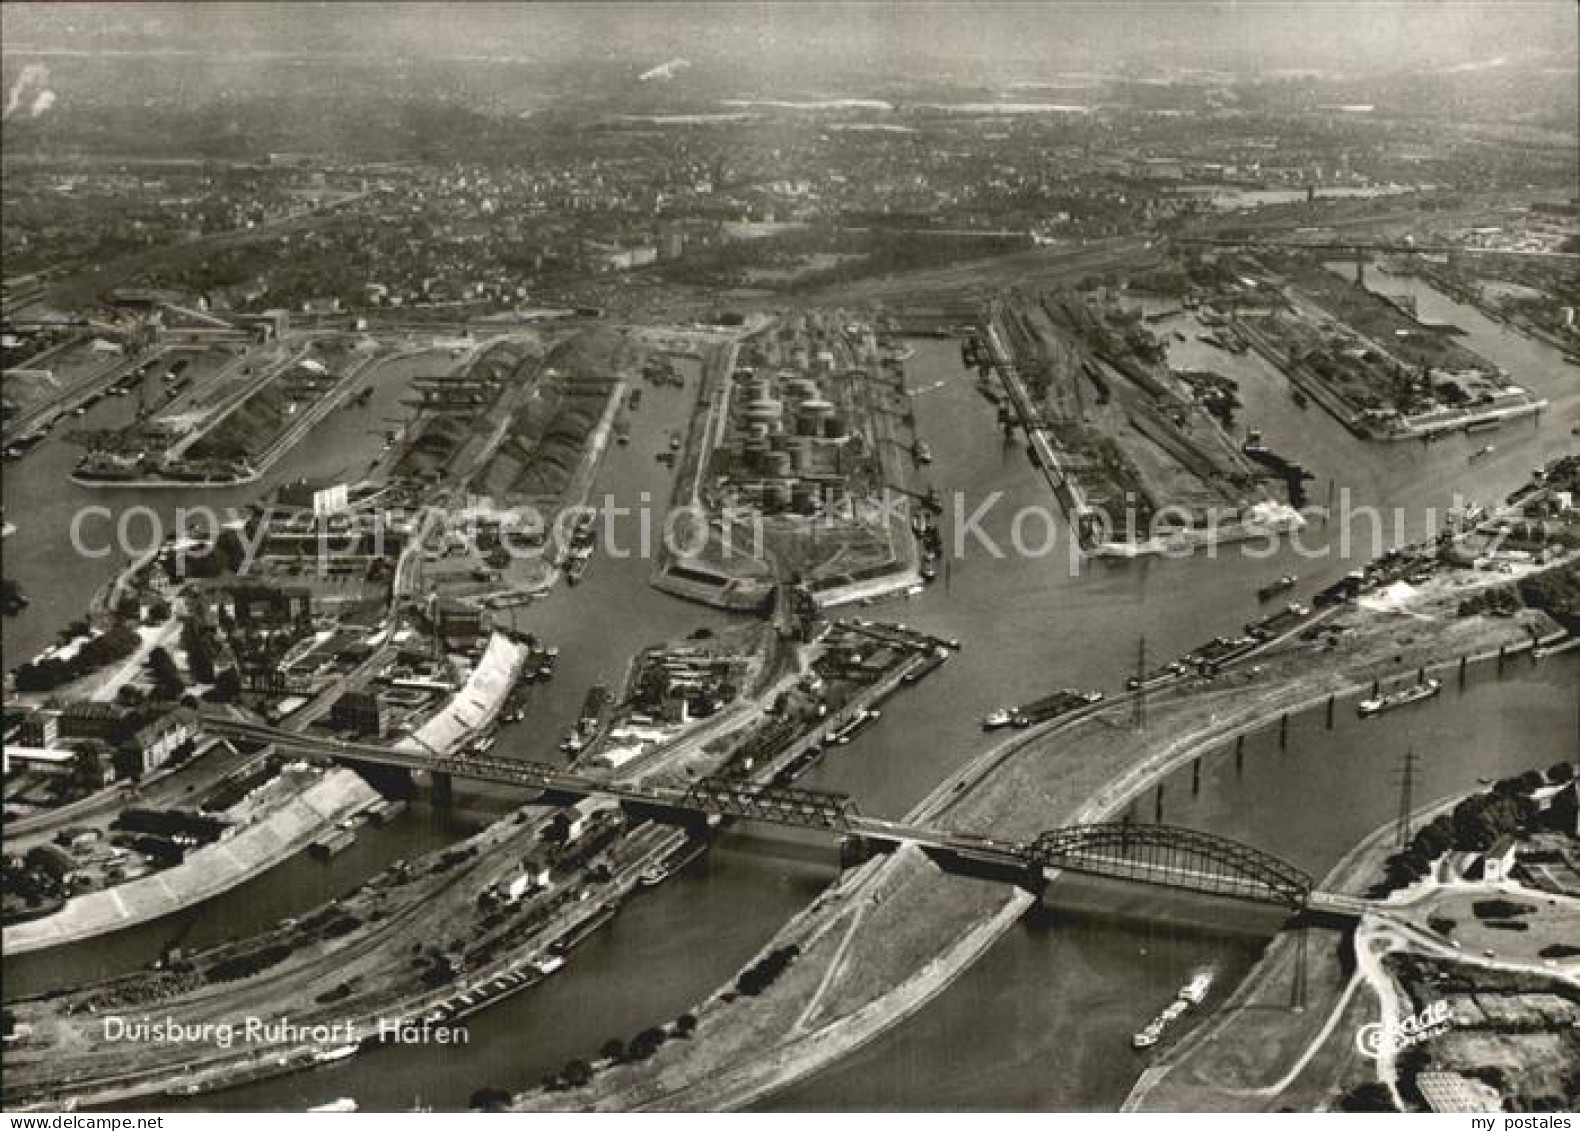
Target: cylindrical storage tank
806, 424
777, 495
803, 457
765, 411
803, 497
834, 428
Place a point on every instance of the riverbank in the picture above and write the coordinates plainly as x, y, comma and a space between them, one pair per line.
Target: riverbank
287, 829
1256, 1052
311, 970
894, 933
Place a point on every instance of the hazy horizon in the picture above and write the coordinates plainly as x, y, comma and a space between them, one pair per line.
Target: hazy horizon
1041, 38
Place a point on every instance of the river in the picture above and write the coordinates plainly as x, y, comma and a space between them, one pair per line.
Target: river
1063, 989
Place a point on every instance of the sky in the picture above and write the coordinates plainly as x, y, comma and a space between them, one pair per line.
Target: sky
1246, 35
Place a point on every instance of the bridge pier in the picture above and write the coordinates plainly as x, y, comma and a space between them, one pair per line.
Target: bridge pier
1502, 654
695, 824
1464, 662
443, 790
854, 851
1283, 730
1239, 754
1157, 805
1330, 712
1195, 776
1297, 990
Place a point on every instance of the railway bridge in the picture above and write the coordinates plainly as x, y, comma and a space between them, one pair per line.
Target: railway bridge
1161, 855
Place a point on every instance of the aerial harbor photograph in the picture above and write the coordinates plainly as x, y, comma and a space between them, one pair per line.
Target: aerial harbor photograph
765, 557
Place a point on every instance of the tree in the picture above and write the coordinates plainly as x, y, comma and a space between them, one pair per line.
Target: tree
129, 695
1367, 1096
227, 686
577, 1073
489, 1099
613, 1049
168, 683
685, 1024
87, 768
198, 643
646, 1043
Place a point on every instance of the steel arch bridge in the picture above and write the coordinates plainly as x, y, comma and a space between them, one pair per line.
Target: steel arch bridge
1173, 857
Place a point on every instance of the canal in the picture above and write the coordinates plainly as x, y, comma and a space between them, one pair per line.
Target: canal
1036, 1022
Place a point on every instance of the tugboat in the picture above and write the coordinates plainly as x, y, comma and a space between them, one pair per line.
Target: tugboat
1378, 704
999, 718
1149, 1036
1194, 992
343, 1104
330, 1056
12, 599
1274, 588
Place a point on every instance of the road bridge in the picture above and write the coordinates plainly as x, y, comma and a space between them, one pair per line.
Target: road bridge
1161, 855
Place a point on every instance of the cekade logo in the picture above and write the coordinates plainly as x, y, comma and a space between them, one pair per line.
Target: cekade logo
1381, 1037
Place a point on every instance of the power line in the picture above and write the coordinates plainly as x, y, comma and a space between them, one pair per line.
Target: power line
1402, 830
1139, 718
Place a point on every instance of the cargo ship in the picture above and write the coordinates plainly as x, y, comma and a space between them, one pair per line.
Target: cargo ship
1376, 705
671, 864
576, 567
1171, 670
1192, 993
1041, 710
1219, 651
921, 671
841, 735
1274, 588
